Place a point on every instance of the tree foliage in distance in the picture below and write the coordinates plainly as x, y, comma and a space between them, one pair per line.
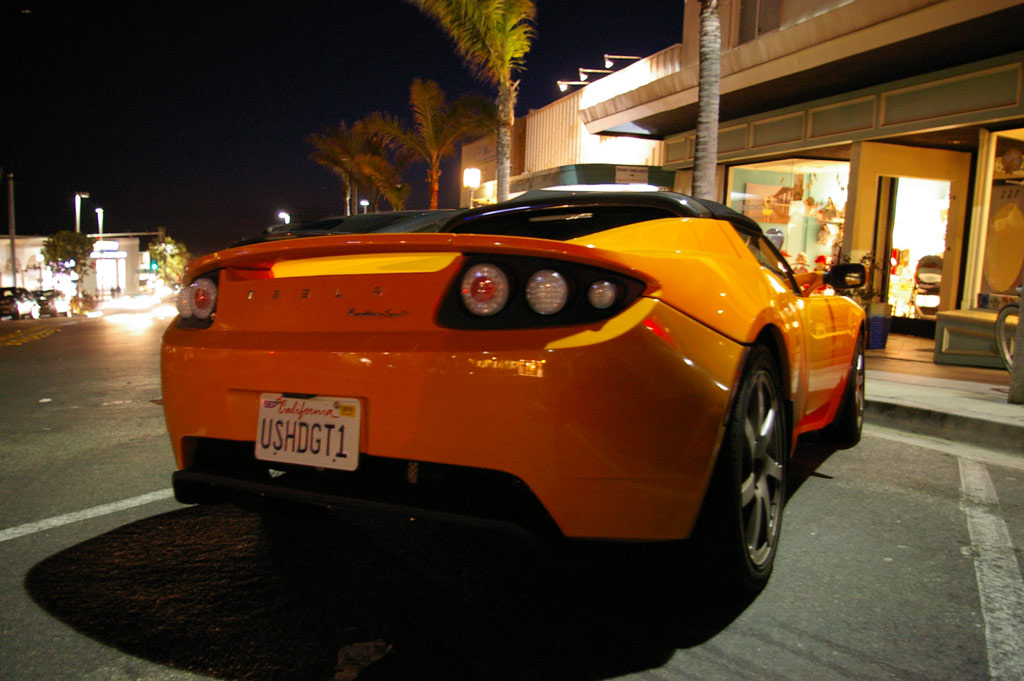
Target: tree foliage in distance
492, 37
438, 126
385, 176
170, 257
361, 161
337, 149
66, 252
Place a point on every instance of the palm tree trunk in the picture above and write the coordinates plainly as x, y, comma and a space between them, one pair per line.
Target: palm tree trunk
503, 145
705, 160
434, 180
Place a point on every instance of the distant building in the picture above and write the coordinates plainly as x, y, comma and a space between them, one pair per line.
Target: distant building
117, 271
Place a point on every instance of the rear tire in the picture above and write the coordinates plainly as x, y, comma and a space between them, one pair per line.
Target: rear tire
738, 530
848, 424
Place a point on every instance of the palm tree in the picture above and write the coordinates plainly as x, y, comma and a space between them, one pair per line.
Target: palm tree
385, 178
705, 159
338, 149
438, 126
492, 37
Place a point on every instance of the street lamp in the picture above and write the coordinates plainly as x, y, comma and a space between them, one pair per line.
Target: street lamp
365, 203
78, 209
609, 59
585, 73
563, 85
471, 180
99, 219
285, 217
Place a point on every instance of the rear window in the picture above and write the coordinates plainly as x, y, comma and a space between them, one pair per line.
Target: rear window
558, 224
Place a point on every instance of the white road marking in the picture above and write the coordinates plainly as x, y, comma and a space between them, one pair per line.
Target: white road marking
999, 579
77, 516
958, 449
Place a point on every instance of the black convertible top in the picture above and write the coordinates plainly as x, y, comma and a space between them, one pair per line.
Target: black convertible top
563, 214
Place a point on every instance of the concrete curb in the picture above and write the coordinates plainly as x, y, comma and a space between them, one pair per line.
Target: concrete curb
1005, 437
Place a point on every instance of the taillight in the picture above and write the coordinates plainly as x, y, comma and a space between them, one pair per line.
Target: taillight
485, 289
197, 302
603, 294
519, 292
547, 292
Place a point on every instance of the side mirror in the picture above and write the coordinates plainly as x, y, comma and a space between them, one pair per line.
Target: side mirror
846, 276
776, 236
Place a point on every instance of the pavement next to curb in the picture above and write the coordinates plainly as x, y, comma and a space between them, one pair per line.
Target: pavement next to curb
964, 411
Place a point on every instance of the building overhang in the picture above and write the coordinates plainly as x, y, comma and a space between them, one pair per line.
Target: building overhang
848, 49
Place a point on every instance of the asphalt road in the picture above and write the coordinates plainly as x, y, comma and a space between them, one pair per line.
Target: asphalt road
900, 559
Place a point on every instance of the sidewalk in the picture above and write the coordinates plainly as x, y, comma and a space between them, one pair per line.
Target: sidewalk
904, 389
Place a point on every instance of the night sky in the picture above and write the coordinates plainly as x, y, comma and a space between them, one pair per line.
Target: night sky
194, 116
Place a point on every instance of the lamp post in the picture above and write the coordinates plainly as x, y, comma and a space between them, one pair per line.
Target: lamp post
10, 227
78, 209
364, 203
471, 181
99, 220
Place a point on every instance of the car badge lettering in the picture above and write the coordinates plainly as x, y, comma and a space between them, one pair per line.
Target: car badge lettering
387, 314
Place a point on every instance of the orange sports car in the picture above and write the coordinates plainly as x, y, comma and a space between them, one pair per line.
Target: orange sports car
618, 365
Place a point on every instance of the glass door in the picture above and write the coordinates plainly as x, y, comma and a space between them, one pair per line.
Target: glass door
916, 247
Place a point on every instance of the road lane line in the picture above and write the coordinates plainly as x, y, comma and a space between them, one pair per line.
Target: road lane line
77, 516
999, 579
20, 337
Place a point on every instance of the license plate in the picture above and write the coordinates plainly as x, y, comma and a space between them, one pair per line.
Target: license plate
311, 431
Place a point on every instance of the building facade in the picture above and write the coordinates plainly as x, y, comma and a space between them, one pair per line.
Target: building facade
118, 267
854, 129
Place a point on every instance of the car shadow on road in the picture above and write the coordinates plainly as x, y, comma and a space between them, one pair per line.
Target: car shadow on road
221, 592
812, 450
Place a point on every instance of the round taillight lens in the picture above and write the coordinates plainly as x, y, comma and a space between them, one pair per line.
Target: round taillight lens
547, 292
183, 301
603, 294
485, 290
198, 299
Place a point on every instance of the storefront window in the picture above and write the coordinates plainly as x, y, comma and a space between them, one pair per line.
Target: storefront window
799, 203
1004, 242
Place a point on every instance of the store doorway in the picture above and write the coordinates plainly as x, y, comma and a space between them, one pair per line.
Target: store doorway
916, 220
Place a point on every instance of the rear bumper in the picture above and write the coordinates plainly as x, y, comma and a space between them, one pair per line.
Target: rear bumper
225, 472
612, 432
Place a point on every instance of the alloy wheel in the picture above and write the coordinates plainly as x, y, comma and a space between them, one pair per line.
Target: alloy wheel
762, 485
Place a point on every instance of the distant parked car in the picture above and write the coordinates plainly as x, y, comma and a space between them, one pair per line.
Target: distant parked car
53, 304
17, 303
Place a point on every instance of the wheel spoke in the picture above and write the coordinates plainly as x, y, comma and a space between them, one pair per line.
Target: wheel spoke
748, 488
755, 533
772, 469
